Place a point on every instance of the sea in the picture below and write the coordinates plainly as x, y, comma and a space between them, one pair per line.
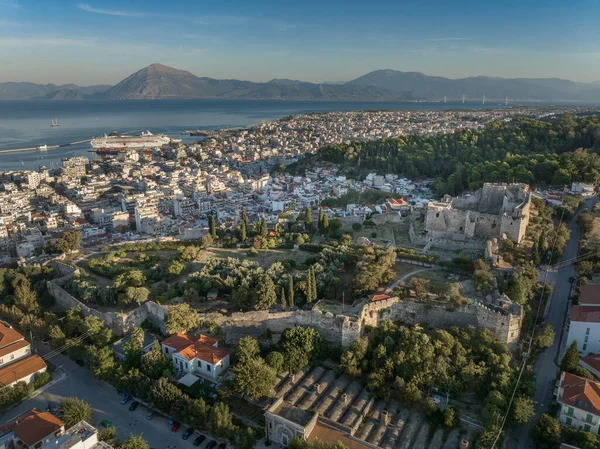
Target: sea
26, 123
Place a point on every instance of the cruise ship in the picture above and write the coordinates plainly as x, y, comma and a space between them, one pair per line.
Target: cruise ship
115, 142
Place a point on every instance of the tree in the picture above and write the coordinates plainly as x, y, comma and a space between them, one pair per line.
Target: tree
244, 227
73, 410
263, 228
69, 241
134, 295
135, 442
188, 253
247, 349
212, 227
585, 220
523, 410
282, 298
545, 338
301, 443
131, 278
164, 394
221, 421
155, 363
570, 360
247, 438
175, 268
275, 360
356, 226
265, 293
181, 319
254, 378
308, 219
290, 292
133, 349
196, 412
450, 418
24, 297
546, 433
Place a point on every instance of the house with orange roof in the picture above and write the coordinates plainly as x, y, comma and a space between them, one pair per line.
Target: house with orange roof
17, 363
201, 356
580, 402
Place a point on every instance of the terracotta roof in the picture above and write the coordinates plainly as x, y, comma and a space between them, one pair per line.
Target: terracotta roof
14, 347
593, 361
589, 294
378, 297
580, 393
20, 369
587, 314
202, 349
37, 426
8, 335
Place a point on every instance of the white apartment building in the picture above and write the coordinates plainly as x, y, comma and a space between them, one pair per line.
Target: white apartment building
579, 399
17, 363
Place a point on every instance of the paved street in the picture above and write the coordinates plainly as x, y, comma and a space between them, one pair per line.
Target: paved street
104, 399
546, 368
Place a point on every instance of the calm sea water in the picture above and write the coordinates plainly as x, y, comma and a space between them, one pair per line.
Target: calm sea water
26, 124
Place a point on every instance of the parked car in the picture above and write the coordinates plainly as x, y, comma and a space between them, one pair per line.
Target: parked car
199, 440
221, 446
126, 399
106, 423
175, 427
133, 406
150, 414
171, 421
188, 433
211, 445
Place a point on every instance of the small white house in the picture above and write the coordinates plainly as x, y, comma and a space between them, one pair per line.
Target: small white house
202, 357
579, 399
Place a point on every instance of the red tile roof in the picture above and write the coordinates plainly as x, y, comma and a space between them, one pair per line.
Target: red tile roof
589, 294
378, 297
8, 335
586, 314
592, 361
202, 349
20, 369
580, 393
37, 426
14, 347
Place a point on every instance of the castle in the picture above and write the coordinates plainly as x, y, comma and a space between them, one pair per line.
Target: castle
495, 211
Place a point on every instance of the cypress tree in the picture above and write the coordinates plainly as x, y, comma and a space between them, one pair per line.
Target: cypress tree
308, 219
244, 227
264, 229
212, 227
321, 219
282, 297
570, 361
290, 295
314, 284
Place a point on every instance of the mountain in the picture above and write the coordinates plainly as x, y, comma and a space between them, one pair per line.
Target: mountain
419, 85
158, 81
25, 91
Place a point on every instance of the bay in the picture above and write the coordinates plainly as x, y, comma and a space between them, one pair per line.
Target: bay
26, 123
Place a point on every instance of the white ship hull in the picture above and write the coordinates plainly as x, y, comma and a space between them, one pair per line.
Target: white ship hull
135, 143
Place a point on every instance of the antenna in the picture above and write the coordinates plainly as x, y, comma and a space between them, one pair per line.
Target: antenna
463, 99
483, 101
506, 101
445, 98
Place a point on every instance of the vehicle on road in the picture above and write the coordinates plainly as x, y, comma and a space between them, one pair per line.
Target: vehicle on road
188, 433
211, 445
175, 427
199, 440
150, 414
126, 399
133, 406
106, 423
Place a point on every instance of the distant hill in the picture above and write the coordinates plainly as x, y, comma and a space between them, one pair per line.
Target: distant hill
159, 81
419, 85
25, 91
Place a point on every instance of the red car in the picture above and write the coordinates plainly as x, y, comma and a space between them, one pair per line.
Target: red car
175, 427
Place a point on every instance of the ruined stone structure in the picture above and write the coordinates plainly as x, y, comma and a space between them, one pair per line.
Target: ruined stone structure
491, 212
499, 315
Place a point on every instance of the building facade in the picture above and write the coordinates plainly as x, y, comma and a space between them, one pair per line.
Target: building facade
579, 399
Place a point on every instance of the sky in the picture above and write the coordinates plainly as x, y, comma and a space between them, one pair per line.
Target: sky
103, 41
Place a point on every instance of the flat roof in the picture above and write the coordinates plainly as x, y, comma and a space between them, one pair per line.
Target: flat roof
293, 414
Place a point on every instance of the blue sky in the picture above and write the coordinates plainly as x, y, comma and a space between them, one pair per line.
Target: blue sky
102, 41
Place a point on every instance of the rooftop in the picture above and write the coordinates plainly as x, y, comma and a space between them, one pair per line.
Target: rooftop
580, 393
589, 294
20, 369
293, 414
586, 314
34, 426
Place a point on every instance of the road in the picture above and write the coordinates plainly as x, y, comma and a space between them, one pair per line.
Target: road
104, 400
546, 368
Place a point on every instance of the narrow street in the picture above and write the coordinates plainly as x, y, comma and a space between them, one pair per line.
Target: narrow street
546, 367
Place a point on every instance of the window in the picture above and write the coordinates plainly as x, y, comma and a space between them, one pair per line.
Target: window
199, 364
207, 367
493, 225
589, 418
569, 421
587, 331
570, 411
584, 346
587, 427
586, 338
437, 215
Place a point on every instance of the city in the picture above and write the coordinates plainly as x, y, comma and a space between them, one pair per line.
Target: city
302, 225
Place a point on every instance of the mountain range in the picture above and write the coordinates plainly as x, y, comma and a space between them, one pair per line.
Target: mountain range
158, 81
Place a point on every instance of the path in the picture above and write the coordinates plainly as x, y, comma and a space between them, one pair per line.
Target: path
407, 276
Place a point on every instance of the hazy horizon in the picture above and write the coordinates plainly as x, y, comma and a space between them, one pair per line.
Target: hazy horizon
102, 42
